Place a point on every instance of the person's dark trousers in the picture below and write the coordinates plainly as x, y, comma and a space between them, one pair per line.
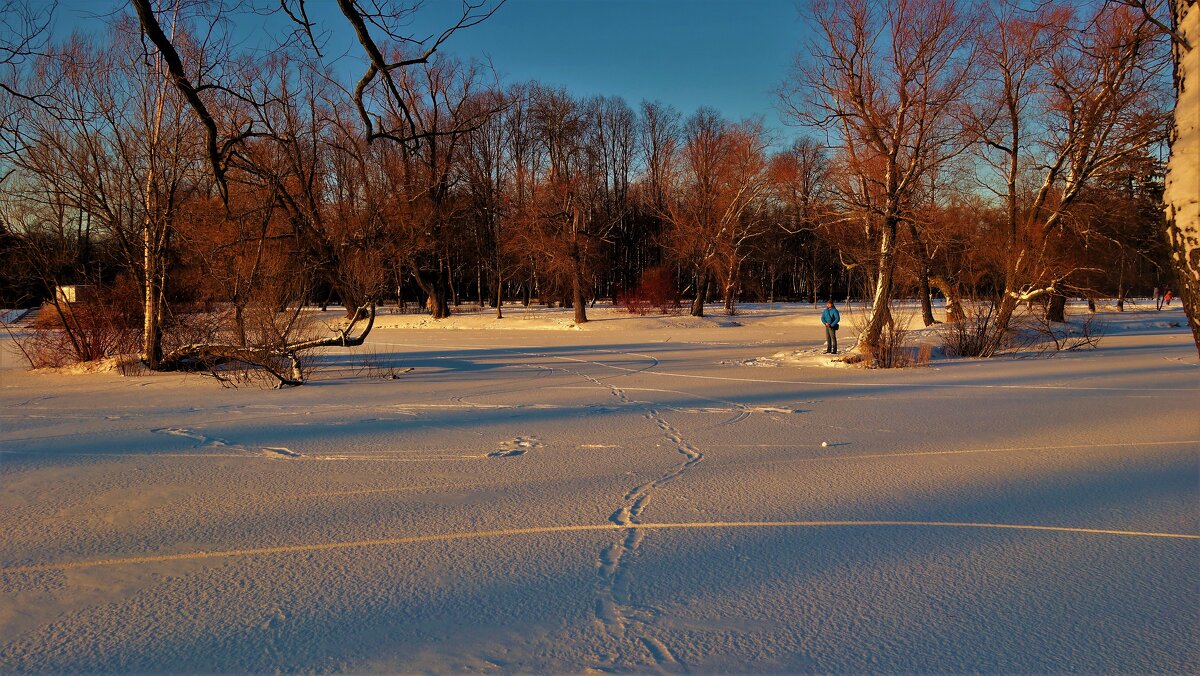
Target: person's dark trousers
830, 339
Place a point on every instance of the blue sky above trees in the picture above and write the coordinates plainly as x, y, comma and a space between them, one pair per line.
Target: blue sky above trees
728, 54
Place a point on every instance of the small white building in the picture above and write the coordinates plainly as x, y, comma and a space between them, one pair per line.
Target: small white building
73, 293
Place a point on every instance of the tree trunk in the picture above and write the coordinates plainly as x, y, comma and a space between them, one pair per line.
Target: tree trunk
578, 299
152, 299
239, 322
438, 303
1120, 287
348, 299
881, 304
730, 294
926, 302
814, 290
1004, 314
923, 253
701, 295
1056, 306
1181, 198
498, 289
578, 296
435, 295
954, 309
498, 298
479, 283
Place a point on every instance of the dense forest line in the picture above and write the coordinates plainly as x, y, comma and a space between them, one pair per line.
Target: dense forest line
1001, 157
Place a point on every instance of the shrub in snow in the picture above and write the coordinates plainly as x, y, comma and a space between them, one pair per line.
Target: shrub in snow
893, 349
972, 335
106, 324
655, 290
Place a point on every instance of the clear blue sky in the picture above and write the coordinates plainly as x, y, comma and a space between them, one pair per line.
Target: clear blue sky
729, 54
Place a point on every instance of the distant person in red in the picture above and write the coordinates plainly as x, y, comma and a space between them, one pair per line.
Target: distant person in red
1167, 297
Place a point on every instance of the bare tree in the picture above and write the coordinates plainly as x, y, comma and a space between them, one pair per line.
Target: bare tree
613, 132
1071, 100
491, 167
568, 229
800, 185
279, 126
120, 147
444, 98
659, 140
717, 178
886, 78
24, 35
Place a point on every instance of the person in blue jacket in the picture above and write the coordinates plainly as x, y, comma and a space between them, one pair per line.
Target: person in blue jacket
830, 318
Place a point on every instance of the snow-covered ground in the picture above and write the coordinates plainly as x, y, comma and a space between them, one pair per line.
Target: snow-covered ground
645, 493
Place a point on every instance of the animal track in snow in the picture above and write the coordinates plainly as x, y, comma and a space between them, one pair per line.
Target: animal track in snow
279, 450
755, 361
509, 453
181, 432
214, 442
517, 447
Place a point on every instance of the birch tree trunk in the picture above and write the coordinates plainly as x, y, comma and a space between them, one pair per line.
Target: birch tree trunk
881, 314
153, 234
1182, 194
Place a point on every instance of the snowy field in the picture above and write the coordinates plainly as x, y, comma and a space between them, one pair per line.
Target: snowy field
643, 493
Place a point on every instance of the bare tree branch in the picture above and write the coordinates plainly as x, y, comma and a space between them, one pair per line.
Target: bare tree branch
216, 155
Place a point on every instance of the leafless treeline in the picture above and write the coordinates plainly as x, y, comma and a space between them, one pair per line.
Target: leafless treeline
979, 151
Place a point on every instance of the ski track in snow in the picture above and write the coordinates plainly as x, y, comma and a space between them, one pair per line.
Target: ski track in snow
583, 528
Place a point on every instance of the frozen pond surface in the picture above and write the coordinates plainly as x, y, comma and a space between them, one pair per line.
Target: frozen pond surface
643, 494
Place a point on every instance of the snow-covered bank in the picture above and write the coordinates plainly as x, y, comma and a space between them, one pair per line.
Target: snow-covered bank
635, 495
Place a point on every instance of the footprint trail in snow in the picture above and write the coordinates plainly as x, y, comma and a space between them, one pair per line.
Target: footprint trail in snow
204, 441
620, 618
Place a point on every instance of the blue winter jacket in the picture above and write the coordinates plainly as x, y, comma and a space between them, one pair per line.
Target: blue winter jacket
831, 316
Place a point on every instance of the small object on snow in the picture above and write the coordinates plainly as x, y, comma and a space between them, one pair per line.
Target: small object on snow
824, 444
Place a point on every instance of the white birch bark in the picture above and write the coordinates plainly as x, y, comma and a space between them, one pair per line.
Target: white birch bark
1182, 195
